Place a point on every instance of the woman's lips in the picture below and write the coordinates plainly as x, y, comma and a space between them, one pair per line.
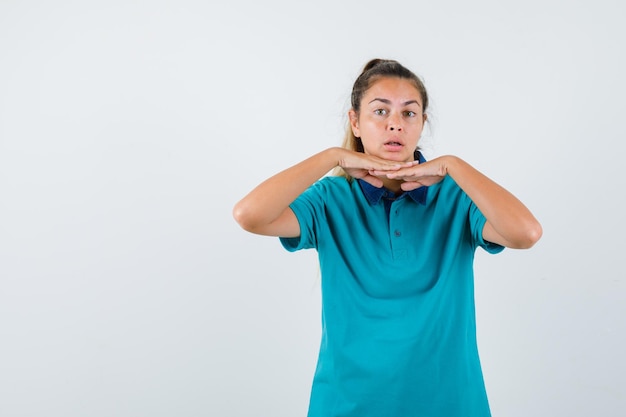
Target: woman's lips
393, 146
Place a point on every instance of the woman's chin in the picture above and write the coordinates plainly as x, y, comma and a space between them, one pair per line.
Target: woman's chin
398, 157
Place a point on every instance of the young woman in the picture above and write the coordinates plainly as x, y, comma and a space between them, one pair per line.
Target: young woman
396, 237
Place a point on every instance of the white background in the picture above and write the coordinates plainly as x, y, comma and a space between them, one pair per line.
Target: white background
129, 129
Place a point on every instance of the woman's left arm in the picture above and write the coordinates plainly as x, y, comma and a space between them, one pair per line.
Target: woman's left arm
509, 222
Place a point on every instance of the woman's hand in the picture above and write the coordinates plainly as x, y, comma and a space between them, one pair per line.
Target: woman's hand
417, 175
369, 168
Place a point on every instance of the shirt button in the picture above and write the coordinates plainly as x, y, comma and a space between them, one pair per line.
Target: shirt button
397, 233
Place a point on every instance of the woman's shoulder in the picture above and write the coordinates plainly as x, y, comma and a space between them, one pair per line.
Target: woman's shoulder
328, 191
446, 188
331, 188
333, 183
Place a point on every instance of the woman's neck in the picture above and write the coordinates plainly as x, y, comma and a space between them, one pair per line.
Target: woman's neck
392, 185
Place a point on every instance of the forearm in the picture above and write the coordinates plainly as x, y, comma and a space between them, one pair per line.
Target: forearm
505, 214
269, 200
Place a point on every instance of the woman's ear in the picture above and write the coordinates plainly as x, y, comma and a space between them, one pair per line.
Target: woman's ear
354, 123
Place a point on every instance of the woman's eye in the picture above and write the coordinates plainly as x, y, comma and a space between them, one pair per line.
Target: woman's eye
410, 113
380, 112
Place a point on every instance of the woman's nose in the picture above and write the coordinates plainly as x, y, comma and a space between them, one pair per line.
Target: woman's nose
394, 123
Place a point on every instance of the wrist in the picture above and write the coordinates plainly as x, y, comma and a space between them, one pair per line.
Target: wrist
450, 164
337, 155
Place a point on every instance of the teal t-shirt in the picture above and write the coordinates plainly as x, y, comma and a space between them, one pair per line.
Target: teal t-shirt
398, 319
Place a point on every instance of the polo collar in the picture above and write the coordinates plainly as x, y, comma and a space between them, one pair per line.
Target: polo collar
375, 194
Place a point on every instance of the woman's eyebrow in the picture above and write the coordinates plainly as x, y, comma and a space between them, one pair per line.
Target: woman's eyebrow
384, 100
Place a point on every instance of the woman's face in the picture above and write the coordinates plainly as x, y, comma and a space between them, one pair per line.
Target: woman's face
391, 119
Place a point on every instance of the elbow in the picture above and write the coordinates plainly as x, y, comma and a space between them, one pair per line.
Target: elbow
243, 217
248, 217
532, 234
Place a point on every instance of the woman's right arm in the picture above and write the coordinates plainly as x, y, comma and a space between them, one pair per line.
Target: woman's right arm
265, 210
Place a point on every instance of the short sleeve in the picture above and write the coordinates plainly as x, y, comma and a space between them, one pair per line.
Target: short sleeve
309, 210
477, 223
